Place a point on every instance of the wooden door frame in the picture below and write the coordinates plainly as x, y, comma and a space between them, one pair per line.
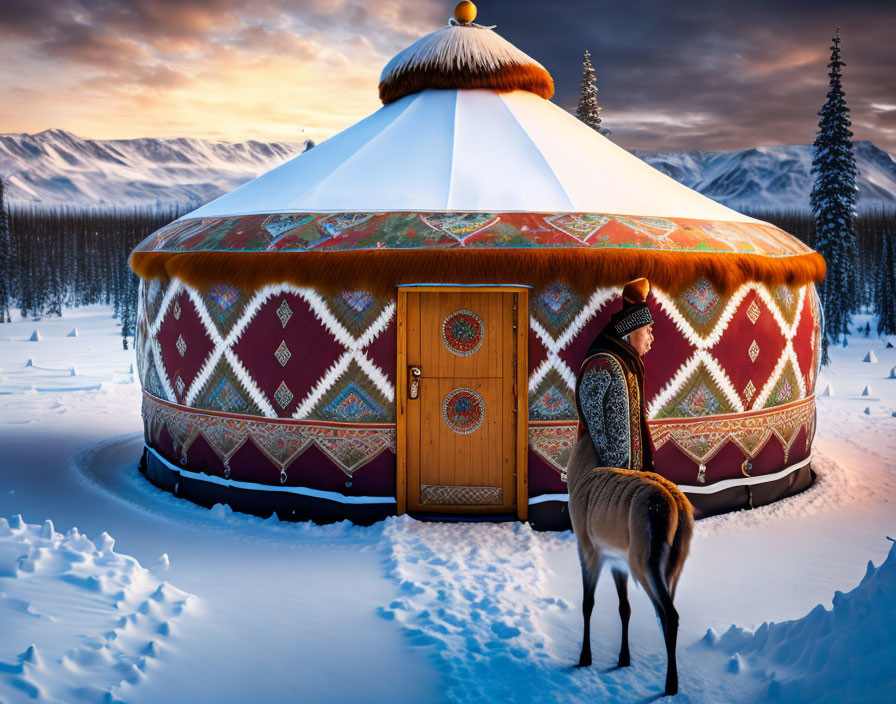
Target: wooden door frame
522, 387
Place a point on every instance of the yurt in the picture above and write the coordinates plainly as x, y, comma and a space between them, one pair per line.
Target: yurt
392, 321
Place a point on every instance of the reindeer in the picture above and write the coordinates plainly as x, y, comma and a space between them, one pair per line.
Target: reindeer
637, 517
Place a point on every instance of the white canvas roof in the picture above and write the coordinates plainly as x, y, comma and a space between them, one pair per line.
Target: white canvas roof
468, 151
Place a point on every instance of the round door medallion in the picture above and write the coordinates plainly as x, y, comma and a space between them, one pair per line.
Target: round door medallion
462, 333
463, 411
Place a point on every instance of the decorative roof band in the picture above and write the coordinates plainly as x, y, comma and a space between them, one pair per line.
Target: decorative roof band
336, 232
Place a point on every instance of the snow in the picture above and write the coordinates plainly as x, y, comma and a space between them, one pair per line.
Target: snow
773, 178
59, 169
212, 605
100, 617
189, 172
840, 655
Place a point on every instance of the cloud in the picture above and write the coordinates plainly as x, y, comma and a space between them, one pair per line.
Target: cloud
696, 73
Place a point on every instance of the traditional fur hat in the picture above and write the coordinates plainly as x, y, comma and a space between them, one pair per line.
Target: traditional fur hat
635, 313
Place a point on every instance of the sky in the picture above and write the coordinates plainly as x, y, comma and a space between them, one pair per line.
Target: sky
701, 74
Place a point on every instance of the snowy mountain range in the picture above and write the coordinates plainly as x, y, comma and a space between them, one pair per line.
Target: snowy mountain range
773, 178
56, 168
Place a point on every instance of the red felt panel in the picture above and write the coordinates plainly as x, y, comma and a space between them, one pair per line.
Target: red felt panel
315, 470
383, 350
376, 478
726, 464
574, 352
250, 464
164, 446
799, 450
202, 458
770, 459
674, 465
670, 351
196, 343
806, 332
537, 352
732, 350
543, 478
312, 350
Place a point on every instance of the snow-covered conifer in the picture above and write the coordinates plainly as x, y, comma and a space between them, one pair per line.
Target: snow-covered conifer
588, 110
886, 286
5, 261
833, 202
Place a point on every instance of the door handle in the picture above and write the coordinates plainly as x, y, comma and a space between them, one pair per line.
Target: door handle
414, 381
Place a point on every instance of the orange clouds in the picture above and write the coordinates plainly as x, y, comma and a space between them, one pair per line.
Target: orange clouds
216, 68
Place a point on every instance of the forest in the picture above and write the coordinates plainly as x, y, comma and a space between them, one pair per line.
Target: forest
52, 259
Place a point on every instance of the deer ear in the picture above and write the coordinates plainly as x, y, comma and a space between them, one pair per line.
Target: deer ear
636, 291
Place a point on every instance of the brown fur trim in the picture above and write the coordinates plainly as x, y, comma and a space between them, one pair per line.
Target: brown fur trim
504, 80
380, 271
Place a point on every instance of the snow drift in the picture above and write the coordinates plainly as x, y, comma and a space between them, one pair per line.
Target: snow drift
841, 655
100, 617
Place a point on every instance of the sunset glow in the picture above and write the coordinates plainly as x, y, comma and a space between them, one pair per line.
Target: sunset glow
702, 75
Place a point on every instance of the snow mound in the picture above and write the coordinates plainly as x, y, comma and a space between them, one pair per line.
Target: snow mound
841, 655
90, 620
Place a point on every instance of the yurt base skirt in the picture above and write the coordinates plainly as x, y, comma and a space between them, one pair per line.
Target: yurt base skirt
548, 512
317, 506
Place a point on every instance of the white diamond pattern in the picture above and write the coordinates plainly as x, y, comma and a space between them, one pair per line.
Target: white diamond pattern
175, 311
753, 312
354, 346
181, 345
284, 312
753, 351
282, 353
223, 347
283, 395
598, 300
703, 346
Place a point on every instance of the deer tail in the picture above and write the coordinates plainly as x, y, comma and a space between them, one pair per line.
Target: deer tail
681, 541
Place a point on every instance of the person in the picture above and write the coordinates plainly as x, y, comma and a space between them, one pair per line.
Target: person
610, 385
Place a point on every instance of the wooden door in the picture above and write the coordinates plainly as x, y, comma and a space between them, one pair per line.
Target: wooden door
462, 414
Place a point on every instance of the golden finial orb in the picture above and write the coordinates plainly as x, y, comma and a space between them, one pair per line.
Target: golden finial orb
465, 11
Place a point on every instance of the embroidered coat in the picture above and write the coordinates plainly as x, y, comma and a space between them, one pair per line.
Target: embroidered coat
611, 405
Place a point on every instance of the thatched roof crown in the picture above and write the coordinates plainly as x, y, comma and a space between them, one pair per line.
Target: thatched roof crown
463, 55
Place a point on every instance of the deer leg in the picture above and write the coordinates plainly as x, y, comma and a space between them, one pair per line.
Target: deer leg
625, 611
662, 602
590, 562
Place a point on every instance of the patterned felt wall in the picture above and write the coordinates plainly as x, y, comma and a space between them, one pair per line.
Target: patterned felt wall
283, 362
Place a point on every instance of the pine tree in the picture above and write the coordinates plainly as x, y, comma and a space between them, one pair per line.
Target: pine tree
833, 202
5, 261
886, 286
588, 110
